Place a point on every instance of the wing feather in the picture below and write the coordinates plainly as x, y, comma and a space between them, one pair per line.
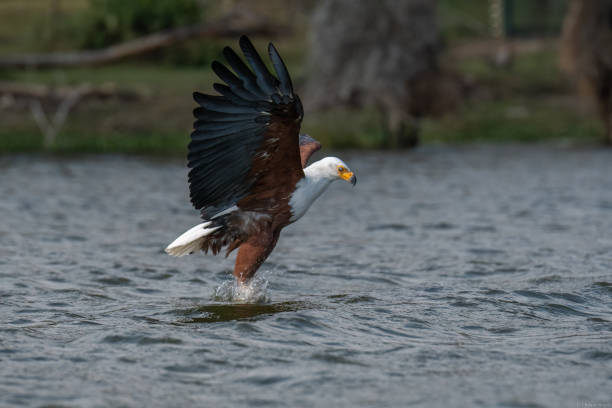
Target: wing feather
249, 81
244, 148
204, 135
212, 116
308, 146
221, 104
236, 83
286, 86
264, 79
234, 95
203, 126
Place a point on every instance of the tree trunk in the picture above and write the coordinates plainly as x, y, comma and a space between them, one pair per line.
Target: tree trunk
586, 53
368, 53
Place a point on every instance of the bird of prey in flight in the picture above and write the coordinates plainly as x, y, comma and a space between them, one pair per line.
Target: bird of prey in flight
247, 159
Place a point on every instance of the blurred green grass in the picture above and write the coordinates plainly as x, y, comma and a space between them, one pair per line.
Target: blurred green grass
529, 100
517, 120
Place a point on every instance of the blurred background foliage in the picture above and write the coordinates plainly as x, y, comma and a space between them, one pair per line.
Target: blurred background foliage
511, 87
107, 22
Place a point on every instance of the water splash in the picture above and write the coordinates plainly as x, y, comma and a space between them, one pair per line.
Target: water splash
235, 292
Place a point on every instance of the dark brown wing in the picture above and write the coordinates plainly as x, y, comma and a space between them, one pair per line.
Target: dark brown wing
308, 146
244, 148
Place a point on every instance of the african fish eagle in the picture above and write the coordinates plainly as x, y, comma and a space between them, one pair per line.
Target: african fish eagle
247, 159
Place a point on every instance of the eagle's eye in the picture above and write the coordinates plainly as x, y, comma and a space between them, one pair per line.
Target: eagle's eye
341, 169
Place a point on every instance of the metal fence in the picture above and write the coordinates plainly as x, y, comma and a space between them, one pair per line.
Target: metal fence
526, 18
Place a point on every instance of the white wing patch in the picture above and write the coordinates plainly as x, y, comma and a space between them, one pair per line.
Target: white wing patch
191, 240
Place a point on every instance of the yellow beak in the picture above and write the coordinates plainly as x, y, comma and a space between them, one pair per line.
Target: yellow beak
349, 176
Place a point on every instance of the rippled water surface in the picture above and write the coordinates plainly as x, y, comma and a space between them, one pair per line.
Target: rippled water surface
448, 277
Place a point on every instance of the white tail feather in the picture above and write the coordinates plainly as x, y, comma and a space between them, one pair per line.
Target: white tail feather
191, 240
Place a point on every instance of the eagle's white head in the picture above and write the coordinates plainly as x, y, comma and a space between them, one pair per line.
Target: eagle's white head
331, 168
317, 177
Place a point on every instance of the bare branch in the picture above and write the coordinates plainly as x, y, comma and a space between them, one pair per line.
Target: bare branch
47, 129
50, 128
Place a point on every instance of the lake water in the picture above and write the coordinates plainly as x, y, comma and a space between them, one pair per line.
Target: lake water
448, 277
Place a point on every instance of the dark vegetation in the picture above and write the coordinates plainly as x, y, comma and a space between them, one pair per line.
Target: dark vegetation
525, 98
109, 22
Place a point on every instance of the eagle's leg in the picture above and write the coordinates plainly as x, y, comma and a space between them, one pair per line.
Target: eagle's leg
252, 253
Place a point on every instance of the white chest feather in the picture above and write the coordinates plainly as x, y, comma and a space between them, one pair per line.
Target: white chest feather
307, 191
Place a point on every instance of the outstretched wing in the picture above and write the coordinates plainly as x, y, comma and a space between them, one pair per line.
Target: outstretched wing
308, 146
244, 148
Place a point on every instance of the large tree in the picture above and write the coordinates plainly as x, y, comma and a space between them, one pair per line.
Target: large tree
587, 52
380, 53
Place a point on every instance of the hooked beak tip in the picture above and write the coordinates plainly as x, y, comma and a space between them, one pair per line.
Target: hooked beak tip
353, 180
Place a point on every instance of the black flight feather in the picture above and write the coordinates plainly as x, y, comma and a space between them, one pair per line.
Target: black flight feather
286, 86
234, 95
246, 75
265, 80
212, 116
236, 83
